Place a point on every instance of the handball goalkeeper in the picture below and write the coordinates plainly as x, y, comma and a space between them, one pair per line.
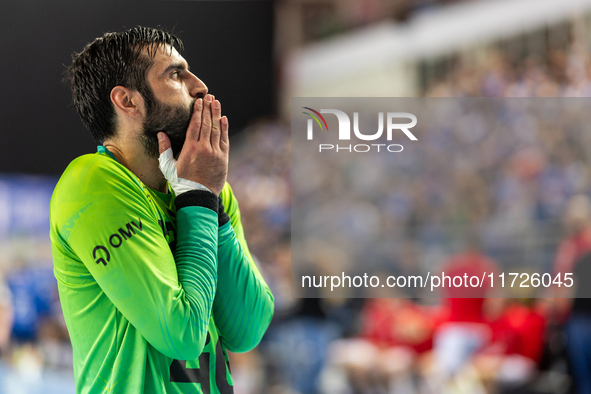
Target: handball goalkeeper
154, 274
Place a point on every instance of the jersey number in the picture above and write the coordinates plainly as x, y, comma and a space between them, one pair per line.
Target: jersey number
181, 374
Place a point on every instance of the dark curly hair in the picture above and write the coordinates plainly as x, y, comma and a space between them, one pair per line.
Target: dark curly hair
115, 59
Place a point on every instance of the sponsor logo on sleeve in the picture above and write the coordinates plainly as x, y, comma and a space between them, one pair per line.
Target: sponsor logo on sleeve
101, 254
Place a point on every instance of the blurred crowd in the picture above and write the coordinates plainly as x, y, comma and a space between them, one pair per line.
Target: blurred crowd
522, 190
509, 187
559, 73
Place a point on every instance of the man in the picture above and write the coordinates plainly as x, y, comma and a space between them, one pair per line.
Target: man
155, 277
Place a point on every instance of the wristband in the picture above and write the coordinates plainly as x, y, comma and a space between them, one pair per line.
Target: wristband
223, 217
197, 198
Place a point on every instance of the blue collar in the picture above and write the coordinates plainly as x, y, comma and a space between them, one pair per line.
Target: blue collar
102, 149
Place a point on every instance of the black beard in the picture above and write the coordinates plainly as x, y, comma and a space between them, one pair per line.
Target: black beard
172, 120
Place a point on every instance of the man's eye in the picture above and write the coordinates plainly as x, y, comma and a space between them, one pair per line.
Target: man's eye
175, 74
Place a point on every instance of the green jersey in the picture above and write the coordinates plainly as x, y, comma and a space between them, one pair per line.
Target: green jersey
152, 296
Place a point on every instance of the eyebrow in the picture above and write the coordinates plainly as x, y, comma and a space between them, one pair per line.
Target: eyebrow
176, 66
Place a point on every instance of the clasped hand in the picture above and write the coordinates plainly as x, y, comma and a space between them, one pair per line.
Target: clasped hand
204, 156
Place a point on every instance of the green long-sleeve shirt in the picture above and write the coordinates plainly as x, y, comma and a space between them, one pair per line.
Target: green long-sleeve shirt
152, 296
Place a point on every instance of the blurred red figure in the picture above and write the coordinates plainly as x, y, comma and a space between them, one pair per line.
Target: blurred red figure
389, 322
465, 304
511, 360
463, 330
520, 331
394, 334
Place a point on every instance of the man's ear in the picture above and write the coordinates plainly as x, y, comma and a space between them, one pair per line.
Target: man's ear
128, 101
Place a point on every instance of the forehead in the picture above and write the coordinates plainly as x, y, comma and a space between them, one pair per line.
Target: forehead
165, 56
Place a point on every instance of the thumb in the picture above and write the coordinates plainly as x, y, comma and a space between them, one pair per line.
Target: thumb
166, 162
163, 142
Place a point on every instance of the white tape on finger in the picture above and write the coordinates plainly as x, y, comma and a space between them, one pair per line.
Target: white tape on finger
167, 165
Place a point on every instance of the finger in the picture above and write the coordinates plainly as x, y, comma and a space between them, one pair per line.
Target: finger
163, 142
216, 112
206, 120
225, 140
195, 124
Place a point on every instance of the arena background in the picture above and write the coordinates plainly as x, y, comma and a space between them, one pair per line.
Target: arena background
254, 56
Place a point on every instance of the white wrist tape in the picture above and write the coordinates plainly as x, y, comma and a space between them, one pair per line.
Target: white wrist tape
167, 165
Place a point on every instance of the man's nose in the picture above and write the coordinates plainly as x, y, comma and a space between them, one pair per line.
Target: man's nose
196, 87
